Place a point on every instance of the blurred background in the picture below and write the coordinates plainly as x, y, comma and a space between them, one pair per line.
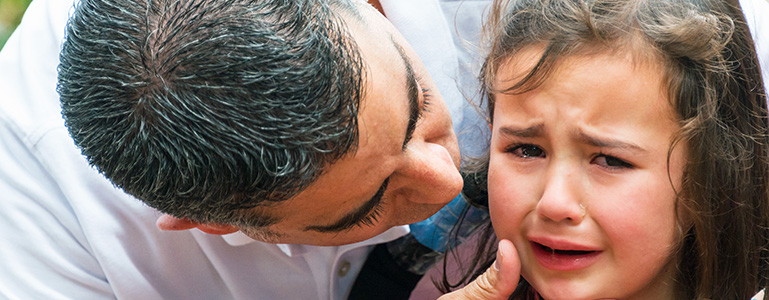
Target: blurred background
10, 15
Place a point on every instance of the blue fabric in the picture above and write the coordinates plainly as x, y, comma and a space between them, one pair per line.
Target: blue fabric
434, 232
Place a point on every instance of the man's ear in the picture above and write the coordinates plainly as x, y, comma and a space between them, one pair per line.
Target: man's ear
168, 222
377, 5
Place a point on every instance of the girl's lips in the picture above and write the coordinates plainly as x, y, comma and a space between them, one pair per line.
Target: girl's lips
564, 257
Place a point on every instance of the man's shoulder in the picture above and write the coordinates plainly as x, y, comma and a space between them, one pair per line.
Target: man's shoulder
28, 67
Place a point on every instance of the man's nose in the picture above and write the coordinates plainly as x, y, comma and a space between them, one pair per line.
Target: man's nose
430, 175
561, 199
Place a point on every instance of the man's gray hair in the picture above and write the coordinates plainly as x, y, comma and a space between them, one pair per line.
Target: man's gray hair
206, 108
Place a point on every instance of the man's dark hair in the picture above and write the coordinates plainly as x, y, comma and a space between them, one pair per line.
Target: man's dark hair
206, 108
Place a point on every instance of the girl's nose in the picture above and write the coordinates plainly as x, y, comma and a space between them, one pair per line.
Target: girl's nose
561, 200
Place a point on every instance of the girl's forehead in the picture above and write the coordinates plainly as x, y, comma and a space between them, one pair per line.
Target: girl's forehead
535, 62
608, 91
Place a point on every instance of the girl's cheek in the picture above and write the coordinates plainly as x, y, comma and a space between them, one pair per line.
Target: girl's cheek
503, 207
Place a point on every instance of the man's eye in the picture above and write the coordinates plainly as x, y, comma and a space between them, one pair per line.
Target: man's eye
526, 151
426, 95
372, 218
611, 162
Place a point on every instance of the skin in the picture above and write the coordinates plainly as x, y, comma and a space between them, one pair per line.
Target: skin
596, 135
377, 5
422, 175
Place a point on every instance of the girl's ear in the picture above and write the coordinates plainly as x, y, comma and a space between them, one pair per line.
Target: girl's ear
170, 223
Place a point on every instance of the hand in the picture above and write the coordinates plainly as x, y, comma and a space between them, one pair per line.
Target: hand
498, 282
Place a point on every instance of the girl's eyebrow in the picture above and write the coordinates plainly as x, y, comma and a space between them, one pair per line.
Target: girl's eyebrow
607, 142
538, 130
523, 132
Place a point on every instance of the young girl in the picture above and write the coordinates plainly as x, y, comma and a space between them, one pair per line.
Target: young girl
628, 157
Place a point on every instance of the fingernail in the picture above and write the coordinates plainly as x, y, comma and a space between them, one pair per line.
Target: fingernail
496, 262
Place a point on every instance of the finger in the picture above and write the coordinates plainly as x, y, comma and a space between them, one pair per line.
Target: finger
498, 282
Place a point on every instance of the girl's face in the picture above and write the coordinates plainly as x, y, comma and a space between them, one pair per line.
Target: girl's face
579, 178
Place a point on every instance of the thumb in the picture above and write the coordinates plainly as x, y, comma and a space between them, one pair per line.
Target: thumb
498, 282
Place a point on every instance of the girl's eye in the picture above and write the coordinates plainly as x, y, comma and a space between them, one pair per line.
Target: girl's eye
526, 151
611, 162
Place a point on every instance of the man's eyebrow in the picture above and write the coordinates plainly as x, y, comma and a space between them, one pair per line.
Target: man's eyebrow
413, 93
352, 218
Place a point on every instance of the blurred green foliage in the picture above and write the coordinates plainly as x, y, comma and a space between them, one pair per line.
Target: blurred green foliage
10, 16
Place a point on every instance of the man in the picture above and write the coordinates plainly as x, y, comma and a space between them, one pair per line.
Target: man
185, 141
250, 116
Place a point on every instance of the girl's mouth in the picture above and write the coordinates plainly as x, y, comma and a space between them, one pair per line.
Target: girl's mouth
564, 259
563, 252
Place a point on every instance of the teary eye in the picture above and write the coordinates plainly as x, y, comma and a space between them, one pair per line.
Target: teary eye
610, 162
526, 151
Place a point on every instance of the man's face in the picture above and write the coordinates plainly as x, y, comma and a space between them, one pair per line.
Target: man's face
406, 165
